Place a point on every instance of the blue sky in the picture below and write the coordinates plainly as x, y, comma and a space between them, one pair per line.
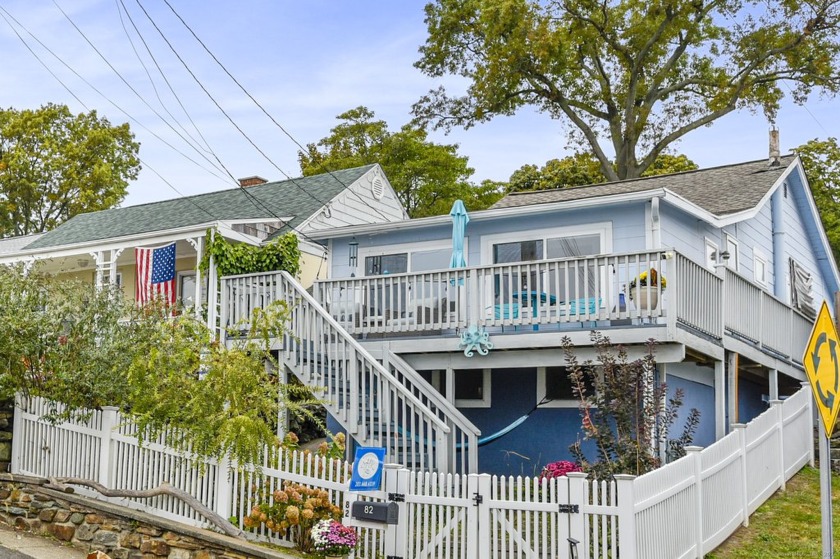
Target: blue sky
305, 62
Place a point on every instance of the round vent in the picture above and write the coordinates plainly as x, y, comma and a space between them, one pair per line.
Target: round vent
377, 187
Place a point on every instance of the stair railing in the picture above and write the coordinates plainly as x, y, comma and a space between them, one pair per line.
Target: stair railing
364, 396
463, 436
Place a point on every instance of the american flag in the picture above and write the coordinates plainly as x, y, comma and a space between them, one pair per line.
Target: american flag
155, 273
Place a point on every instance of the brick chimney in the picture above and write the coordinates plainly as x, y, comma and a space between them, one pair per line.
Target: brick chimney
775, 154
251, 181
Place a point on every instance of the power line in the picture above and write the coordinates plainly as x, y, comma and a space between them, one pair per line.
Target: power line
264, 111
209, 149
133, 90
190, 199
94, 88
253, 198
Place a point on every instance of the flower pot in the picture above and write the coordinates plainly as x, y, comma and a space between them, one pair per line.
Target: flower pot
643, 299
334, 556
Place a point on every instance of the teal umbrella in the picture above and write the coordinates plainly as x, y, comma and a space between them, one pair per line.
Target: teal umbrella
459, 227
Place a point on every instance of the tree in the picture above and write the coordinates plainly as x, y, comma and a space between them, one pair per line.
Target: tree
821, 160
89, 348
639, 75
426, 176
623, 413
54, 165
582, 169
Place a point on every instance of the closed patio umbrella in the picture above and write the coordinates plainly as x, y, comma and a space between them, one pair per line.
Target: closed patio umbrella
459, 226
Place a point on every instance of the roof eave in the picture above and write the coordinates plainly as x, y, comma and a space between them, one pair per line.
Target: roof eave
481, 215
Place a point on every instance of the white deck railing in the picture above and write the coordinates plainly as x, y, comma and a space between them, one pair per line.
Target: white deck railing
534, 293
684, 509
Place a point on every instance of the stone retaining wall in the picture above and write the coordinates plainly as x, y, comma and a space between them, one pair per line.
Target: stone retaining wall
121, 532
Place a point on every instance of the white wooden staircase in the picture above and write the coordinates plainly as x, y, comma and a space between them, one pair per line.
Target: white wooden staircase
379, 402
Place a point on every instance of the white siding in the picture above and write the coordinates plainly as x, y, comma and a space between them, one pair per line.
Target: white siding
357, 205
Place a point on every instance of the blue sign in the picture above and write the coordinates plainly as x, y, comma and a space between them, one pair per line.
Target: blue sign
367, 469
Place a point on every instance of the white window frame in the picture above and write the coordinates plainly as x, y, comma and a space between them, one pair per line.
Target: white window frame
486, 389
408, 248
758, 257
178, 293
711, 259
734, 255
542, 390
603, 229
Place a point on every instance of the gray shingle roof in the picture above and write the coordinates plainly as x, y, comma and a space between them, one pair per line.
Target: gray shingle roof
719, 190
298, 198
14, 244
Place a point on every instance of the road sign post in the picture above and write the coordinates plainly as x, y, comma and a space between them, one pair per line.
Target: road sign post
822, 364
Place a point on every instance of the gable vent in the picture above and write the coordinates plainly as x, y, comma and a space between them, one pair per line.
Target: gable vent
377, 188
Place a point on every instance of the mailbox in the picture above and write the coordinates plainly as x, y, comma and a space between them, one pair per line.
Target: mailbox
384, 513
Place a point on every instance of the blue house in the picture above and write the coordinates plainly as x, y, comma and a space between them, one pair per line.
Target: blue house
456, 364
742, 264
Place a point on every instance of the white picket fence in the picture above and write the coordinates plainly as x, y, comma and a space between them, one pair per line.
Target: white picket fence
682, 510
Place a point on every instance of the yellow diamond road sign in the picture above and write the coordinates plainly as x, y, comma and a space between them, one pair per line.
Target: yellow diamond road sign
822, 363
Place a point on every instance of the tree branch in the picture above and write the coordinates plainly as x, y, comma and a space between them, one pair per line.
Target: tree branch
223, 524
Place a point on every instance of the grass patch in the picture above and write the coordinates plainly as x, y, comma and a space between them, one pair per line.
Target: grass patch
787, 525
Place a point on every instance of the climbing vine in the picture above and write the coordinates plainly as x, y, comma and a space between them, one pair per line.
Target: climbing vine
231, 259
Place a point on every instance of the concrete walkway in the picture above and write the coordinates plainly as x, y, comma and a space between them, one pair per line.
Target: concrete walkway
36, 547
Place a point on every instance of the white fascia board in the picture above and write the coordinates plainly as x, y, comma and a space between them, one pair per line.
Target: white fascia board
311, 248
116, 243
720, 222
257, 220
490, 214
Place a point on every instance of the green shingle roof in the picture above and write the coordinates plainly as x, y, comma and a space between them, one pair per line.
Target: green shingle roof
296, 198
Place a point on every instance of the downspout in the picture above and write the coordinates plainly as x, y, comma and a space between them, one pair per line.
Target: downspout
655, 228
777, 211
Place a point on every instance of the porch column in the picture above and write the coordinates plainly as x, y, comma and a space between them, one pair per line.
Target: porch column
112, 265
198, 244
773, 384
720, 401
99, 266
211, 290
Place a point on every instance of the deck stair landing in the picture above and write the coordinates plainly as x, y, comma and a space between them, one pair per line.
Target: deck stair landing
384, 403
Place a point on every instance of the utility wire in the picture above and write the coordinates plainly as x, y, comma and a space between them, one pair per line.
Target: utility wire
133, 90
208, 149
6, 16
264, 111
254, 199
218, 106
94, 88
148, 73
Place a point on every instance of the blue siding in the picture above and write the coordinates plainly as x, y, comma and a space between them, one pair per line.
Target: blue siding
750, 399
682, 232
695, 395
628, 232
757, 233
802, 239
544, 437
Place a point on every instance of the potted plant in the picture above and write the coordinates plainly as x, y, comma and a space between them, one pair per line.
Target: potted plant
333, 540
647, 298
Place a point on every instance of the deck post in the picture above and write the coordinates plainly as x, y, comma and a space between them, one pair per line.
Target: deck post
720, 401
